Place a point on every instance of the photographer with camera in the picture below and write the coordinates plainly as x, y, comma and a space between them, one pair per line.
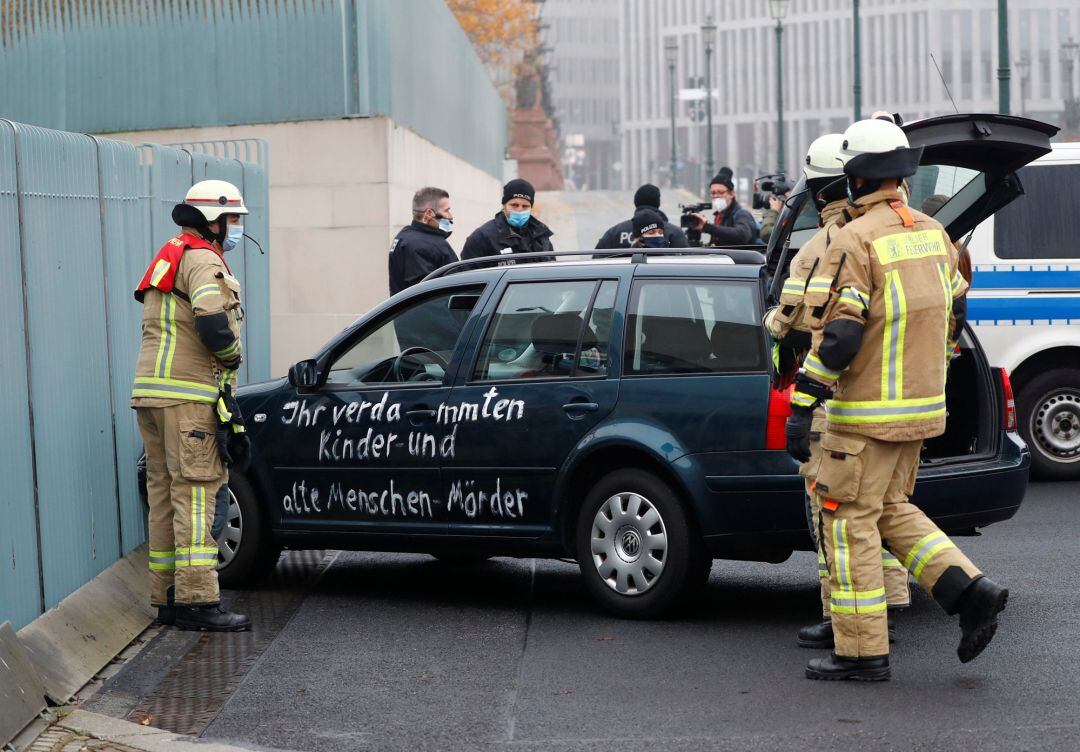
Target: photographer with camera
772, 191
731, 225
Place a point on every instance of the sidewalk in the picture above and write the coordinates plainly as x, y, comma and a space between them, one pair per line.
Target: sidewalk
82, 730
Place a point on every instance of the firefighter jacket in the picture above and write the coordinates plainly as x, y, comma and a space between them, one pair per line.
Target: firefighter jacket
790, 314
190, 325
885, 308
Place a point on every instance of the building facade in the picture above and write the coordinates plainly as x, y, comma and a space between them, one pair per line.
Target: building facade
901, 42
583, 36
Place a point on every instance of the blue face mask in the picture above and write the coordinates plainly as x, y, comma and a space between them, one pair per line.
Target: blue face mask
655, 241
519, 219
236, 232
446, 225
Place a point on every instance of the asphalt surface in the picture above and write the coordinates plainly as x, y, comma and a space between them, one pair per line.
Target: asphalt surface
399, 652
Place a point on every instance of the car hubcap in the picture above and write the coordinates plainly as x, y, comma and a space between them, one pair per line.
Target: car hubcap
1055, 425
629, 543
229, 540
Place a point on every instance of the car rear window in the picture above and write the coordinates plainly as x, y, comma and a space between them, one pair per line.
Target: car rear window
693, 326
1043, 223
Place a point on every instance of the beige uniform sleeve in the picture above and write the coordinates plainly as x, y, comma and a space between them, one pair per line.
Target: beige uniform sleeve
215, 301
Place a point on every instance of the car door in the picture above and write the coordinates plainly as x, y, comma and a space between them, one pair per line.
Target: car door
361, 452
540, 380
966, 173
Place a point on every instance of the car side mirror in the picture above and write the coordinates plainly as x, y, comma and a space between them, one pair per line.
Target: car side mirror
463, 302
304, 374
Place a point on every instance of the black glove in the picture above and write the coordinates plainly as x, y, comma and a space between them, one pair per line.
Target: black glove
797, 431
240, 451
221, 435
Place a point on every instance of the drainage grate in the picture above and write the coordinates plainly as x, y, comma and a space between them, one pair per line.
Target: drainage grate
197, 686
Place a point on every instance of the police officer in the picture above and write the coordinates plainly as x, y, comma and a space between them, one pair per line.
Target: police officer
732, 224
622, 234
513, 230
647, 229
789, 327
421, 248
886, 306
187, 362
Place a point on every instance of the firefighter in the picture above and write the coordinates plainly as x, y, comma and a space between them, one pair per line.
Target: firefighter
886, 306
788, 326
187, 364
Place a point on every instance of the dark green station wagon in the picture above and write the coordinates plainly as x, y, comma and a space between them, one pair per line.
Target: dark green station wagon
620, 411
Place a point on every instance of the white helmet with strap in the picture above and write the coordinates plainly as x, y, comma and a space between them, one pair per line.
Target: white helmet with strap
875, 149
823, 158
214, 198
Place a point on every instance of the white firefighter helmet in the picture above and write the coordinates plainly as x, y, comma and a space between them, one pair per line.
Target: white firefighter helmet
878, 150
823, 157
214, 198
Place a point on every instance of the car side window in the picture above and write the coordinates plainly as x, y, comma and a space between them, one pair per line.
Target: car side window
692, 326
1044, 224
414, 345
537, 330
593, 361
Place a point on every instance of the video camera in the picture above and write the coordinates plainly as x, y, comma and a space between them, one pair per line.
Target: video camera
768, 186
685, 210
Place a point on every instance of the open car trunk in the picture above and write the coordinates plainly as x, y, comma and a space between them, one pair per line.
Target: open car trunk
974, 415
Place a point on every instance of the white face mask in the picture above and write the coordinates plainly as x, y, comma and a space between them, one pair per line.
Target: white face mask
719, 204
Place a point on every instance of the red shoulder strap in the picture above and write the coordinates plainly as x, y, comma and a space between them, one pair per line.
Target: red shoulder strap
902, 211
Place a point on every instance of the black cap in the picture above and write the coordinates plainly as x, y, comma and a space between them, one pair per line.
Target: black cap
647, 195
519, 188
646, 219
724, 178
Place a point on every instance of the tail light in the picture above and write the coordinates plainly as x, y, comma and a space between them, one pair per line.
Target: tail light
1010, 402
779, 410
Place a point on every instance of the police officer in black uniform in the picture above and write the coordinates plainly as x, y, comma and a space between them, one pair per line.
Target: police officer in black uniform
622, 234
513, 230
732, 224
421, 248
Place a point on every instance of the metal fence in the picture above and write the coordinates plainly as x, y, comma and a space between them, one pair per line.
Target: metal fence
103, 65
80, 218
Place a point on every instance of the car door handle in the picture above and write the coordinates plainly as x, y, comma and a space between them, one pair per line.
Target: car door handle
580, 408
420, 412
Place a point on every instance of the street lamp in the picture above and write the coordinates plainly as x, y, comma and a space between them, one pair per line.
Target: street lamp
1023, 67
671, 54
856, 45
708, 35
1003, 57
778, 10
1072, 106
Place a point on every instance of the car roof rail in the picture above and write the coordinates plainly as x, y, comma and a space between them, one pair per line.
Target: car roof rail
637, 256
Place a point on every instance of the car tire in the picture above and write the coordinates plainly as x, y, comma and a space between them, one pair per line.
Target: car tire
627, 575
1048, 414
461, 559
255, 552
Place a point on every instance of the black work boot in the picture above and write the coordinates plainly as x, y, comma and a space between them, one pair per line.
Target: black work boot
836, 667
820, 636
817, 636
212, 618
979, 606
166, 615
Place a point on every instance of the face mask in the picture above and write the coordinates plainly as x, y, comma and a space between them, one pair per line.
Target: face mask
719, 204
236, 232
519, 218
655, 241
446, 225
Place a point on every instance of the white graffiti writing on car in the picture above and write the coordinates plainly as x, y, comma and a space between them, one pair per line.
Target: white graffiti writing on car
498, 502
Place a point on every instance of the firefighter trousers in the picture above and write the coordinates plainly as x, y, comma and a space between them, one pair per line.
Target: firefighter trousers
183, 474
897, 593
863, 488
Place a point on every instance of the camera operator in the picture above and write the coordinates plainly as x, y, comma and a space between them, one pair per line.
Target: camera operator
731, 224
776, 205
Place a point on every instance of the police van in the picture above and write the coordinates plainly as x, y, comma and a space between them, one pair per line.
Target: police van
1024, 306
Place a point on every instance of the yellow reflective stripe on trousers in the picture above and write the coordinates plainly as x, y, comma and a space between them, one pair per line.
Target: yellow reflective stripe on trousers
162, 561
192, 391
841, 553
813, 365
198, 509
197, 556
886, 411
923, 552
858, 601
888, 560
822, 564
892, 348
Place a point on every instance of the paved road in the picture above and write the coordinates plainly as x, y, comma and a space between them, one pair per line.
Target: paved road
402, 652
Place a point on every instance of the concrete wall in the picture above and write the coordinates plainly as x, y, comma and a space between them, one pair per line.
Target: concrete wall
339, 192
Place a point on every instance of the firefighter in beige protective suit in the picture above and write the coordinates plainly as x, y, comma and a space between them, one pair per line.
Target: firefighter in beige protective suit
886, 306
789, 327
182, 394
